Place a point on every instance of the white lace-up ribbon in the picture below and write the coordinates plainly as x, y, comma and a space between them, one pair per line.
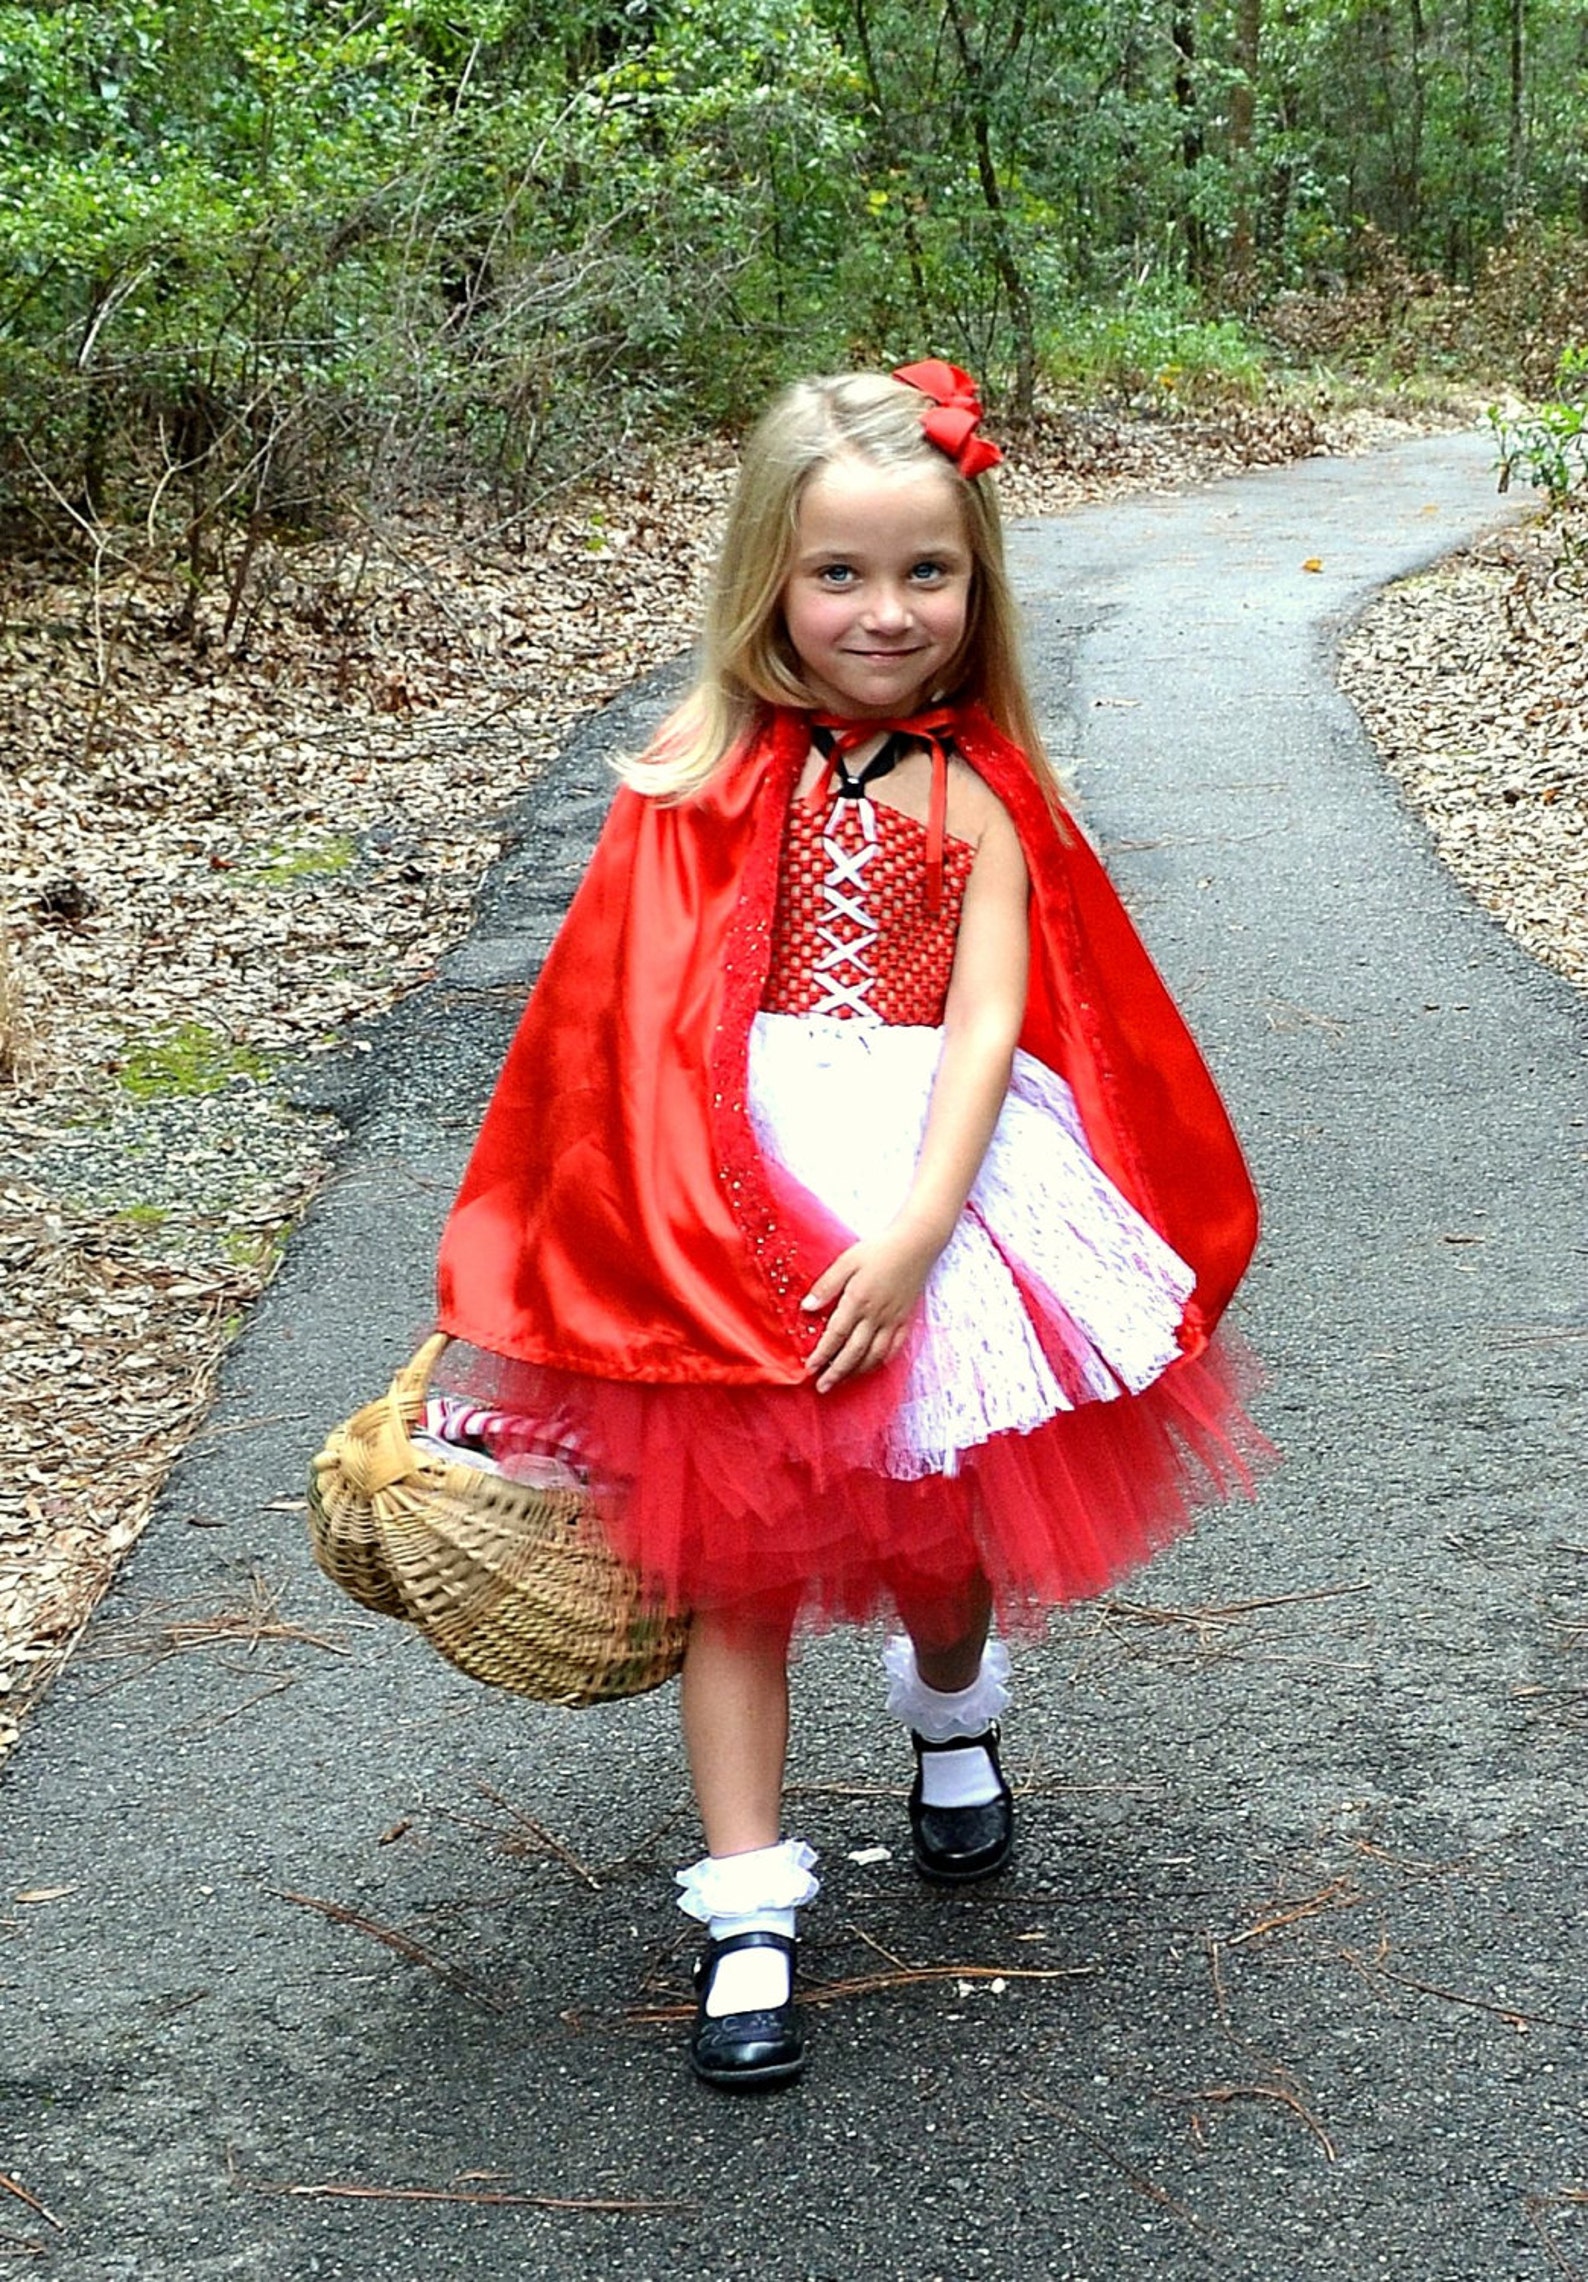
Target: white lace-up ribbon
844, 895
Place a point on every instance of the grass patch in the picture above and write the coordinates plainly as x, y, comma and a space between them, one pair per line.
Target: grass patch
315, 859
192, 1059
257, 1250
143, 1216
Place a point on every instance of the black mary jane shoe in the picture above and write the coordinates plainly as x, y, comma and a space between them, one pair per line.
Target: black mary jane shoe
745, 2052
955, 1846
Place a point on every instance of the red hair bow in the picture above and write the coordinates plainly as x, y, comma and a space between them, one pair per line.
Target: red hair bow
952, 425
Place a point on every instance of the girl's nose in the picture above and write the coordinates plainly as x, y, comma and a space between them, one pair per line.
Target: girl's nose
888, 606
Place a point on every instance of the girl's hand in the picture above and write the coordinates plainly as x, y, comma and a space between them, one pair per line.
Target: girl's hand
872, 1290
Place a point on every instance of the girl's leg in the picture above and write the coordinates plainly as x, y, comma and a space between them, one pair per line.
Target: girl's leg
735, 1713
752, 1881
949, 1687
949, 1634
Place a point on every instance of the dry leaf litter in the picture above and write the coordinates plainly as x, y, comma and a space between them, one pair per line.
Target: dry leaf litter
220, 851
1472, 681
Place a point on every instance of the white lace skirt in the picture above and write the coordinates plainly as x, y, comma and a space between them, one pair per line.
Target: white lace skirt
1052, 1290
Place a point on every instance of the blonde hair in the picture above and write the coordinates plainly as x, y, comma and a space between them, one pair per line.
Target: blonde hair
747, 661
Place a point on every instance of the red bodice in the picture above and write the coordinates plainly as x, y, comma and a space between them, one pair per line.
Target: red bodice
854, 931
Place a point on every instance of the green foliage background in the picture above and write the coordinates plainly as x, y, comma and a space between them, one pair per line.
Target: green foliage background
258, 256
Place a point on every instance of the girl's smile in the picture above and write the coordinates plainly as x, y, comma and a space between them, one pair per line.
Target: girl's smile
877, 601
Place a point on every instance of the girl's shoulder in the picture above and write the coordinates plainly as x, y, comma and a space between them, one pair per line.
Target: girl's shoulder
974, 809
1030, 793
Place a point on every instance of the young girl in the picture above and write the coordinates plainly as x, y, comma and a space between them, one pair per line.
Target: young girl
853, 1203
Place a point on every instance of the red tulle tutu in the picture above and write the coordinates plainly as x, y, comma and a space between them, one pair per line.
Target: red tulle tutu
721, 1495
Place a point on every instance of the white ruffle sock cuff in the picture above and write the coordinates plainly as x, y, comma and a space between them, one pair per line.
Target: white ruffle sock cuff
757, 1892
937, 1717
951, 1778
748, 1885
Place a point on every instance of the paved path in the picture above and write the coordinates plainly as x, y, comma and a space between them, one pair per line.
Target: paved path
1306, 1834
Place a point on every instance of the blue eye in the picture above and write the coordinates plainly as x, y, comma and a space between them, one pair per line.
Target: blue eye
836, 574
927, 571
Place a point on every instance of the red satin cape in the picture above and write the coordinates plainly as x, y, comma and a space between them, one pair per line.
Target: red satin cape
616, 1219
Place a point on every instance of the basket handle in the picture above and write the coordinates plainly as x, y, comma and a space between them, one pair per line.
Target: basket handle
412, 1382
390, 1456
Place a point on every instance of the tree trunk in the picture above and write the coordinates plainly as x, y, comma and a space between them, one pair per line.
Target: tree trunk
1285, 94
1467, 216
1243, 117
888, 138
1582, 180
1414, 155
1193, 236
1516, 137
1010, 275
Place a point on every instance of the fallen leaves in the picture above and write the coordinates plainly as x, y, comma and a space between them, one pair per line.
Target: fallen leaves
1282, 2095
216, 858
15, 2187
477, 2189
404, 1946
252, 1622
1472, 681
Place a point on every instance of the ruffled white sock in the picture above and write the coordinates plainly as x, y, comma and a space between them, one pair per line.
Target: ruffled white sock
757, 1892
950, 1778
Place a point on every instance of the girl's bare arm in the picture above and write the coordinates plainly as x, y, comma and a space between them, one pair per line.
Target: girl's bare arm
873, 1286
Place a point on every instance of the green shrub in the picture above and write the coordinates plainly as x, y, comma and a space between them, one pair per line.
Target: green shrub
1550, 444
1151, 343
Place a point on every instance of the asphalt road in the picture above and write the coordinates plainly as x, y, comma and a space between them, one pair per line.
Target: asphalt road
1304, 1842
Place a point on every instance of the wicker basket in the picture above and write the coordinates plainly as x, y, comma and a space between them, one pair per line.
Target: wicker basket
515, 1585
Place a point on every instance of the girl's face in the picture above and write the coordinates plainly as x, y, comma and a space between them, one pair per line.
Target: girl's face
876, 601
